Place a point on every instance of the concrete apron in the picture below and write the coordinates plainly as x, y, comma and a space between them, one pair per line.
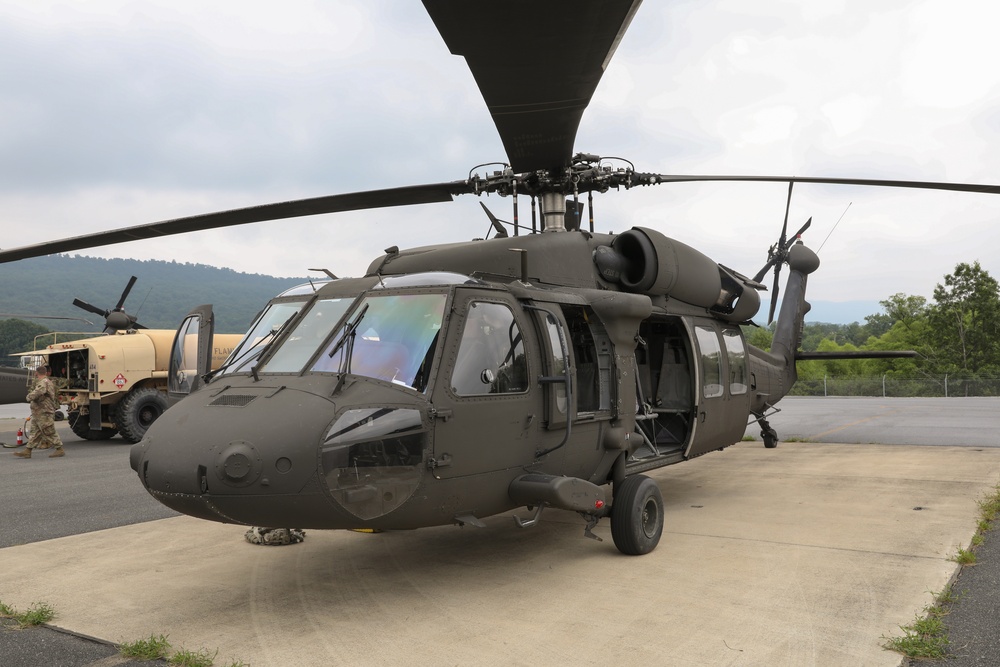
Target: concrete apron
807, 554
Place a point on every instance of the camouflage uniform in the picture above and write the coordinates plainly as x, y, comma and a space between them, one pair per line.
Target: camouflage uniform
44, 403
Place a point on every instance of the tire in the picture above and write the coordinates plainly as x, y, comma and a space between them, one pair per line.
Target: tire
637, 516
81, 427
137, 412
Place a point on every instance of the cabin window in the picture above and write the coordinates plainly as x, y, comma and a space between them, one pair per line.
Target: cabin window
593, 359
490, 357
737, 353
711, 361
557, 364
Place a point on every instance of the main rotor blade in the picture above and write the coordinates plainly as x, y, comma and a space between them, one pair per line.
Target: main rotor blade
537, 64
920, 185
352, 201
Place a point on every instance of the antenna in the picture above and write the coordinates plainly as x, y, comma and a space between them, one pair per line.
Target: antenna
834, 227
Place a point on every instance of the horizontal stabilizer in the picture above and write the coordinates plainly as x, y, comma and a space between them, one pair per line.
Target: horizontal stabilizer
856, 354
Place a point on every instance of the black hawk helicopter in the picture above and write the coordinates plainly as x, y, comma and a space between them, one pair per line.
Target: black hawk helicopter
455, 382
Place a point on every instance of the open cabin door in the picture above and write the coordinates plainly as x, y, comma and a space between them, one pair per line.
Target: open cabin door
723, 402
191, 353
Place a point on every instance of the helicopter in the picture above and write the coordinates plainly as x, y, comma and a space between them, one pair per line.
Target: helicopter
546, 369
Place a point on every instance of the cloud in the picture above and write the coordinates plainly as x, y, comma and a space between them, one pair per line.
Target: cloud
119, 113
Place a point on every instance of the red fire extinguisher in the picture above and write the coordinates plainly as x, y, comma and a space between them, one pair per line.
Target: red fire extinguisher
20, 432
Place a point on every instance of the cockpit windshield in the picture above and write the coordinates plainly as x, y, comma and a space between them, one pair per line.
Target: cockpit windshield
263, 331
389, 337
311, 331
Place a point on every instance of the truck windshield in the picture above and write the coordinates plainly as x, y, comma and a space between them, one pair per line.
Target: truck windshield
388, 337
244, 357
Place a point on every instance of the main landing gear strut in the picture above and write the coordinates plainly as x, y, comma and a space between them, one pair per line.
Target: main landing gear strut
767, 434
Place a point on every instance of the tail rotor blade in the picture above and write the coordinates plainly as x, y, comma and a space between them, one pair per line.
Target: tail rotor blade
799, 233
788, 206
774, 294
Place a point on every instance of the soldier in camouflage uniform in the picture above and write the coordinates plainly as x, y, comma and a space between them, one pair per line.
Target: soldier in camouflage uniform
43, 399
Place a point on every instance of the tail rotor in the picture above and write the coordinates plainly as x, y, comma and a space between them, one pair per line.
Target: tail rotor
777, 254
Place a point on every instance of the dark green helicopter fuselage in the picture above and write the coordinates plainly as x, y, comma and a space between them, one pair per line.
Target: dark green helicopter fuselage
460, 381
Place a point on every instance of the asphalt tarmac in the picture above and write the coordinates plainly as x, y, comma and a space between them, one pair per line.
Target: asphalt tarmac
807, 554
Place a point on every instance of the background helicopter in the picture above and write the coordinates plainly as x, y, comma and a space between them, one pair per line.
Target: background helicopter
616, 329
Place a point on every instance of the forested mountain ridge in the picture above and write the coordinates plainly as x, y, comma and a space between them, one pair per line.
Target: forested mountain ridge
163, 294
956, 334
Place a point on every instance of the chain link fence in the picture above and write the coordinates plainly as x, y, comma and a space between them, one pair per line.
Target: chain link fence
900, 386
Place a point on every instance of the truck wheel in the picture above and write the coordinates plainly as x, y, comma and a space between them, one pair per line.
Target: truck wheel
81, 426
637, 516
137, 412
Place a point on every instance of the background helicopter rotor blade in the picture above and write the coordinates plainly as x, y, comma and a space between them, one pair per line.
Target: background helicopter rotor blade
352, 201
115, 319
536, 89
128, 288
90, 308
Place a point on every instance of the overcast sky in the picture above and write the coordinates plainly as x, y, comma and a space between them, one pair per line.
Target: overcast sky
118, 113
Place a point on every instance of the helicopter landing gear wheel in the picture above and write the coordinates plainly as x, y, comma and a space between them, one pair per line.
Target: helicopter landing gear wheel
770, 437
637, 516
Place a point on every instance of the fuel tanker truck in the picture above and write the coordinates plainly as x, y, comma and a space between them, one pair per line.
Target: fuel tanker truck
116, 384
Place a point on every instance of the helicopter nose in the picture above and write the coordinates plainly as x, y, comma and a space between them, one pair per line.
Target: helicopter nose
238, 456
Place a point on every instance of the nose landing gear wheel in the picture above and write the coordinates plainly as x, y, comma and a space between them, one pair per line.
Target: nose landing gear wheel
637, 515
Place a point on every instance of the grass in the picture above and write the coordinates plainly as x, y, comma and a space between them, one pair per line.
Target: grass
37, 614
157, 647
965, 556
927, 636
200, 658
154, 648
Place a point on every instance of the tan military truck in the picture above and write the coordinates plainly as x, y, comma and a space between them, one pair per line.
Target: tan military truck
117, 383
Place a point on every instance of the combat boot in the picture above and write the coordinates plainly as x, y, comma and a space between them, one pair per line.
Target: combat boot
58, 452
26, 454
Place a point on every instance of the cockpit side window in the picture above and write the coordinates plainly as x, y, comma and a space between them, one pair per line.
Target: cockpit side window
490, 356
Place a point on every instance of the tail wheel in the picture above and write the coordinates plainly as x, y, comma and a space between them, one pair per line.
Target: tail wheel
637, 515
137, 412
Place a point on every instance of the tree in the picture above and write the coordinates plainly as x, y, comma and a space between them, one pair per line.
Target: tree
18, 336
898, 308
965, 321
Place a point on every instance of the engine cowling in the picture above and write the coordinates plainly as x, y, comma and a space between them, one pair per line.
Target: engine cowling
645, 261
